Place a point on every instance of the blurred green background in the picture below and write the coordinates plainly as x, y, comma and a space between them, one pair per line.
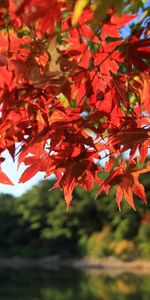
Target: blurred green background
37, 224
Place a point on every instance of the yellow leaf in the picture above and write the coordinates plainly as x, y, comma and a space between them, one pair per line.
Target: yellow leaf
79, 7
64, 101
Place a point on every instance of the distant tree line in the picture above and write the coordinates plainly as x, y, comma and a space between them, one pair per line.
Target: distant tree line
37, 224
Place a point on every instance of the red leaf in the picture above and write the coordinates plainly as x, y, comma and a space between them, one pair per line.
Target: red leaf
29, 172
4, 179
33, 10
123, 20
126, 179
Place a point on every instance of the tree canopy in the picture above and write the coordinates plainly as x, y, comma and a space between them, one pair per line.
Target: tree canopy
74, 92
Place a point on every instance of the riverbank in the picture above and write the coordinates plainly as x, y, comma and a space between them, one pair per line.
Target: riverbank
109, 265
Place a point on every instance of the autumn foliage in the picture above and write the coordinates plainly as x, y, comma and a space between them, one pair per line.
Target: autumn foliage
74, 91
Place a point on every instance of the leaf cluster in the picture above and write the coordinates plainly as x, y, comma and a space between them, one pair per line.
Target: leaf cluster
74, 89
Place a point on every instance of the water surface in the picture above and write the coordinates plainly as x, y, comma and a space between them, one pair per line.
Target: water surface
36, 284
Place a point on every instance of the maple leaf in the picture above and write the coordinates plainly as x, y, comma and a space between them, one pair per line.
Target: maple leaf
126, 179
35, 163
111, 28
137, 51
131, 138
35, 10
30, 172
141, 85
119, 90
106, 58
78, 50
79, 172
